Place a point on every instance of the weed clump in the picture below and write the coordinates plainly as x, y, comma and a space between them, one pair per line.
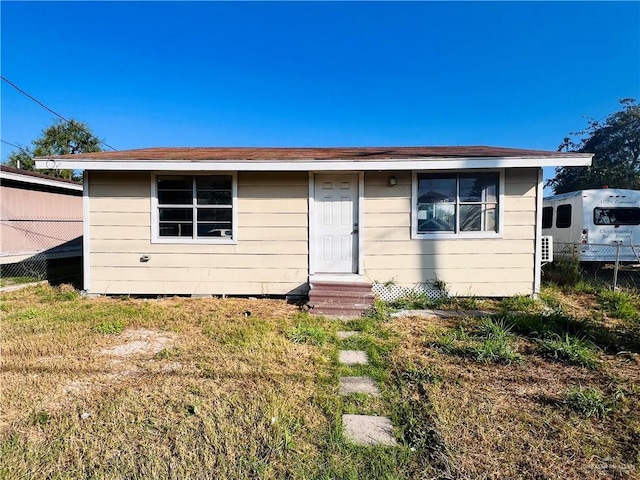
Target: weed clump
590, 401
569, 349
491, 341
623, 305
109, 327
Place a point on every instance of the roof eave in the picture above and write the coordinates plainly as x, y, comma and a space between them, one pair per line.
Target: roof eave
433, 163
16, 177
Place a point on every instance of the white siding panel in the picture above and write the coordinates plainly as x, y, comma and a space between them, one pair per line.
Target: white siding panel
270, 257
491, 267
257, 247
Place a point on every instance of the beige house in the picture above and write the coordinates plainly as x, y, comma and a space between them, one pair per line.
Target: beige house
253, 221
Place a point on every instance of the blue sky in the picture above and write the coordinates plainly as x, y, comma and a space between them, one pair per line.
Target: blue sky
318, 73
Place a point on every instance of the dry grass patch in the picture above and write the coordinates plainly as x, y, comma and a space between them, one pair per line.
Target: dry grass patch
511, 421
190, 388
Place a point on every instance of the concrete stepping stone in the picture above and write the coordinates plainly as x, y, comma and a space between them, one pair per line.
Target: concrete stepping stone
368, 430
366, 385
343, 334
353, 357
441, 313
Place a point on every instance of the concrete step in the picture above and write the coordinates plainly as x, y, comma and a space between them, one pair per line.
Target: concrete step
347, 295
368, 430
366, 385
337, 309
340, 286
353, 357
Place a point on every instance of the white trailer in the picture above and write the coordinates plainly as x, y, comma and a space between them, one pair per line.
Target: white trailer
594, 222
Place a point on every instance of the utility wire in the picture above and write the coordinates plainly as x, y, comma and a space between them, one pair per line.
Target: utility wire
16, 146
55, 113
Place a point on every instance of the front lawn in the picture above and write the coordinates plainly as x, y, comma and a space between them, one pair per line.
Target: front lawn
181, 388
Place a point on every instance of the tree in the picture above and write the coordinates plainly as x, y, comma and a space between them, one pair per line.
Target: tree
61, 138
616, 148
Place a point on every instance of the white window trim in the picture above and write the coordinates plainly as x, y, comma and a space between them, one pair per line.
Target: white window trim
155, 221
460, 235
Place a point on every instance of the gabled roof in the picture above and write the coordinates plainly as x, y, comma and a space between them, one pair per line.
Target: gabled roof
302, 159
18, 175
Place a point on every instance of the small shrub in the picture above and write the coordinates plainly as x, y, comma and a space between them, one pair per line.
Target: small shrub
620, 304
109, 327
563, 271
590, 401
569, 349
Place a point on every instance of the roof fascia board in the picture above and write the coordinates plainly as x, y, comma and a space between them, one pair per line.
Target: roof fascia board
38, 181
311, 165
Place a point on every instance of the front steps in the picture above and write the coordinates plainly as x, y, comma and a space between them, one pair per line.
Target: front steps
344, 299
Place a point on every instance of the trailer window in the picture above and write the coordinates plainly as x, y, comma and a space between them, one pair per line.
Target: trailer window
616, 216
563, 216
547, 217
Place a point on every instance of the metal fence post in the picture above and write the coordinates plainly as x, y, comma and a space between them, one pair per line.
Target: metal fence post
615, 268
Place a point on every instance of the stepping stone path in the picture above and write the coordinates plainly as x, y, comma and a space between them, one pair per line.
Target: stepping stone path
366, 430
353, 357
349, 385
343, 335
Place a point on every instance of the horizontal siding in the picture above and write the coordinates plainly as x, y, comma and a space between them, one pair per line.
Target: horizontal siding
172, 287
452, 261
271, 255
492, 267
221, 275
413, 248
196, 260
247, 247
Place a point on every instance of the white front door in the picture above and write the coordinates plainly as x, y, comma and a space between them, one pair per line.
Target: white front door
336, 223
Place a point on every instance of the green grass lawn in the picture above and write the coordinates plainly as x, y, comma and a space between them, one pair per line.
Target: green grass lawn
120, 388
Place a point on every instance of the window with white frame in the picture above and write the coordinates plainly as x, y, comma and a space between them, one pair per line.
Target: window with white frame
456, 203
194, 208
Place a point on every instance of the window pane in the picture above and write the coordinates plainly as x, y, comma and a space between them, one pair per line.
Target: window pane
176, 229
213, 182
616, 216
436, 217
174, 197
547, 217
175, 182
481, 187
176, 214
436, 189
477, 218
215, 229
563, 216
207, 197
214, 214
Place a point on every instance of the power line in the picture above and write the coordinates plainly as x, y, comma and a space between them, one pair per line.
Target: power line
16, 146
55, 113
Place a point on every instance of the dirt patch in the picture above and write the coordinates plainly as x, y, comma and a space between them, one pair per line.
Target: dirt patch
140, 342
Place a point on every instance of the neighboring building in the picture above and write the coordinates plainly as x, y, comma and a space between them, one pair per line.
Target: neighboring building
251, 221
39, 216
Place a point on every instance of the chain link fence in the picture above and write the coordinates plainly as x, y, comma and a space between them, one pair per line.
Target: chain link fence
35, 249
615, 265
